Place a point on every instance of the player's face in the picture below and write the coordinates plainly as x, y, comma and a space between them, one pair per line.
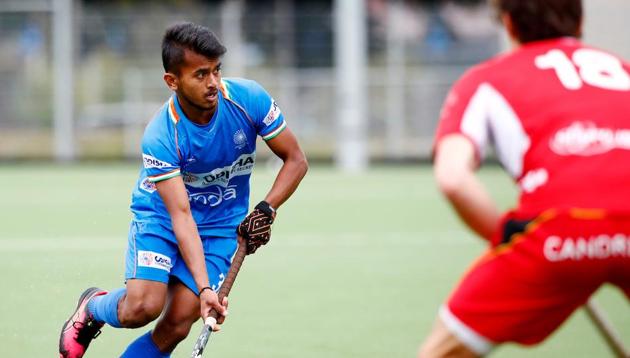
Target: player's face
199, 81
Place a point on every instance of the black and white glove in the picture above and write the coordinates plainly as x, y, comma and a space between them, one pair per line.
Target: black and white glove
256, 227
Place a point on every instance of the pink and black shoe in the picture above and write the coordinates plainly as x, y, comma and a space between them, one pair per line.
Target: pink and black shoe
81, 328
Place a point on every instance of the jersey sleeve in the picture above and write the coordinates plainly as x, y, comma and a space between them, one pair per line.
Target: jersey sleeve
267, 116
160, 153
463, 113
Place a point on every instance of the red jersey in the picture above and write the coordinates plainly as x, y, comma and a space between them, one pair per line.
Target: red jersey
558, 116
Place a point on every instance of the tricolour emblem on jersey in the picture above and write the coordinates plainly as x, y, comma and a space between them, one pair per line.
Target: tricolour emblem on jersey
154, 260
240, 139
273, 113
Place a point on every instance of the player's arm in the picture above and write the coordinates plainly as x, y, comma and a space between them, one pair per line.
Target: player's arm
293, 169
256, 228
175, 197
454, 170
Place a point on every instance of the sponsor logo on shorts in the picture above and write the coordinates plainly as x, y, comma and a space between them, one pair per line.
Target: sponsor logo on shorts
596, 247
273, 113
154, 260
585, 138
152, 162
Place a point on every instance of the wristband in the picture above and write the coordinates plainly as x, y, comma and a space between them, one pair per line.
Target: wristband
205, 288
266, 208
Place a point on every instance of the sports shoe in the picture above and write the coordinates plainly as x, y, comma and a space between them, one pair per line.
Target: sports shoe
81, 328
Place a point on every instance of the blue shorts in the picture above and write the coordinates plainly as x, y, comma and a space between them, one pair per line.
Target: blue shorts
150, 256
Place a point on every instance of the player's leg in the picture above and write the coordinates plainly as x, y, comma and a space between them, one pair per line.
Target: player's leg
149, 261
79, 330
142, 303
182, 308
181, 312
150, 346
517, 294
147, 271
134, 306
442, 343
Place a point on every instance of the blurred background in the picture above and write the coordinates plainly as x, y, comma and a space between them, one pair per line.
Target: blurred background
363, 254
360, 81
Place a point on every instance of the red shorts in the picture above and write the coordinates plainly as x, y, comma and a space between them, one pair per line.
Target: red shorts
523, 289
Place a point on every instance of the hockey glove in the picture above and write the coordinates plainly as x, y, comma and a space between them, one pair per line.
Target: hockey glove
256, 227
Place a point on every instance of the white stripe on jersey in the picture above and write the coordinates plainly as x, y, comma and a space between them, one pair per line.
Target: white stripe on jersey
488, 112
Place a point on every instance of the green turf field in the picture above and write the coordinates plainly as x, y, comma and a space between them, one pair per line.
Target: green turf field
357, 265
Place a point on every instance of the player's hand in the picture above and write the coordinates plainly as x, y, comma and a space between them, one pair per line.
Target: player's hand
209, 300
221, 318
256, 228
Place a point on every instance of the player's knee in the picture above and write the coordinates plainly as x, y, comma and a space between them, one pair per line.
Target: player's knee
433, 351
139, 313
435, 348
427, 351
441, 343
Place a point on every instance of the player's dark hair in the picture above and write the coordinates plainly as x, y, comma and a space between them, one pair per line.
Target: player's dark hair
187, 35
542, 19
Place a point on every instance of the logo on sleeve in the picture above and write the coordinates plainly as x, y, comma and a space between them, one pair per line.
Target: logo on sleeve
152, 162
154, 260
273, 114
148, 185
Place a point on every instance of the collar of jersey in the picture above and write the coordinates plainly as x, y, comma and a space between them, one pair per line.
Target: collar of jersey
568, 40
176, 113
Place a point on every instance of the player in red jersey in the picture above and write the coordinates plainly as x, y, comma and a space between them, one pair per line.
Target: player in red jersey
557, 113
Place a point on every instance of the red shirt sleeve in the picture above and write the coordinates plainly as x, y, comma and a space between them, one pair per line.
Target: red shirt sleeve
458, 105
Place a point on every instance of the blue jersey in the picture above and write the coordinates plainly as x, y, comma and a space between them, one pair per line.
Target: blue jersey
214, 160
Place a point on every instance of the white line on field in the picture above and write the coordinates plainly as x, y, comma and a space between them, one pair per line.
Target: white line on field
62, 244
347, 239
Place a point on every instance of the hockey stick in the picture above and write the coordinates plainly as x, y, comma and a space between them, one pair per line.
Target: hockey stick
224, 291
606, 329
